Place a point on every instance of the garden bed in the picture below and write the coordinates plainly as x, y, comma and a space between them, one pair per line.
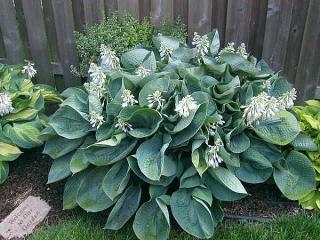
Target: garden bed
29, 177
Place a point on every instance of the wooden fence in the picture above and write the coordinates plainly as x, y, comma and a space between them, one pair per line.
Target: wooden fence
284, 32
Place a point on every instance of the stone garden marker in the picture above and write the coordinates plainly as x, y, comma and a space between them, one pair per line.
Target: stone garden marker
22, 221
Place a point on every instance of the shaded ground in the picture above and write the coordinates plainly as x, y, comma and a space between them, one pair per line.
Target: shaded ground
28, 176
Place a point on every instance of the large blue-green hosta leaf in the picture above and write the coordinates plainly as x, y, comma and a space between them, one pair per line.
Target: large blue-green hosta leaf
281, 129
152, 221
69, 123
125, 208
145, 122
220, 186
158, 84
58, 146
193, 127
151, 156
116, 179
91, 196
60, 168
256, 162
296, 178
192, 214
71, 189
304, 142
164, 180
136, 57
107, 155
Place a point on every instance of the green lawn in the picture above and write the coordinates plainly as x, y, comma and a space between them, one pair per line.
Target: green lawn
301, 227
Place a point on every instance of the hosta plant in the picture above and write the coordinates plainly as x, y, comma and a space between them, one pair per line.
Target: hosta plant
22, 115
309, 117
173, 132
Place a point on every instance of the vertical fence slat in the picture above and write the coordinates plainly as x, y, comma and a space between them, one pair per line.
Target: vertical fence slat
277, 32
160, 10
93, 11
38, 40
299, 16
9, 29
219, 16
129, 6
181, 10
63, 17
78, 15
308, 73
200, 16
51, 30
238, 19
110, 6
257, 27
144, 8
2, 48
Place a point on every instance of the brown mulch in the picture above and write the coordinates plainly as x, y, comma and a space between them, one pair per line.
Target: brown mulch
28, 176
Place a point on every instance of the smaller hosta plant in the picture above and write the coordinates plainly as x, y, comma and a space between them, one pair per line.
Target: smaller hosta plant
172, 133
309, 117
21, 112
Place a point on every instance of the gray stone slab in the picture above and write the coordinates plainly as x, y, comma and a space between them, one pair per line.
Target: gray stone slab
23, 220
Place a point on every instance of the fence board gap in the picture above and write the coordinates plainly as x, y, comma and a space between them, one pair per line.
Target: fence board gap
38, 40
277, 32
219, 18
299, 16
144, 9
63, 16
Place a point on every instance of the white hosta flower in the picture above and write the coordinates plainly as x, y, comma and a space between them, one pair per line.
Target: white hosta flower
266, 84
143, 72
201, 43
212, 127
109, 57
165, 51
96, 74
229, 48
123, 125
186, 105
255, 110
271, 107
156, 100
5, 104
127, 98
287, 99
96, 119
242, 50
213, 158
29, 70
94, 89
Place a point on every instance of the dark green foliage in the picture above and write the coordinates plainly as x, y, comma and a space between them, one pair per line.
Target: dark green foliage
121, 33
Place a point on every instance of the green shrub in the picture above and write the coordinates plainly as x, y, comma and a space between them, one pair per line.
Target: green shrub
309, 117
121, 33
177, 128
21, 113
